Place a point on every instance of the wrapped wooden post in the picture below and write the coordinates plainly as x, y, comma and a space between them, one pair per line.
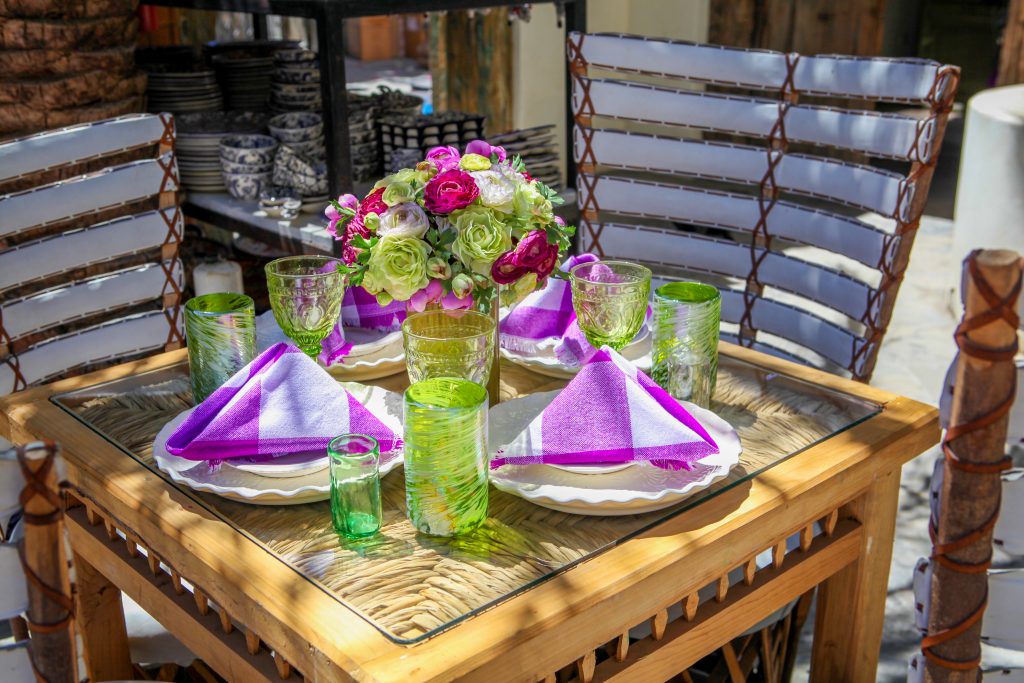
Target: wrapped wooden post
974, 448
50, 609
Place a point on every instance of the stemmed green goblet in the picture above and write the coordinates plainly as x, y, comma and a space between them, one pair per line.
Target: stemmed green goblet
610, 300
305, 295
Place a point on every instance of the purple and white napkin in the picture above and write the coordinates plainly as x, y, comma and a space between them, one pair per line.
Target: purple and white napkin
546, 319
611, 412
280, 403
359, 309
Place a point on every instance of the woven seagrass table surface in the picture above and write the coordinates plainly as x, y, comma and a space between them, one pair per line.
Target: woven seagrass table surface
409, 586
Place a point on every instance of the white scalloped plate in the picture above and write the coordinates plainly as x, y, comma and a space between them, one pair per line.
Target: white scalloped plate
248, 487
546, 363
634, 490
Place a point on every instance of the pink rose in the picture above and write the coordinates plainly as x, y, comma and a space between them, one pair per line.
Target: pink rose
485, 149
449, 191
444, 158
505, 270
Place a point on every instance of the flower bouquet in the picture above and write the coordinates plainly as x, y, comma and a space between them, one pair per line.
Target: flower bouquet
452, 231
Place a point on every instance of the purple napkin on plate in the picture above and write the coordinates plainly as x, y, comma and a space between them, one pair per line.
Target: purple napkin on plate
359, 309
611, 412
546, 318
280, 403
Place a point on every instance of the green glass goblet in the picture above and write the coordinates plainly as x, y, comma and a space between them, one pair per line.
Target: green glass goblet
610, 300
305, 295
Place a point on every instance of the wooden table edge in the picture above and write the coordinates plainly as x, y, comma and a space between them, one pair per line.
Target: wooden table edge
374, 657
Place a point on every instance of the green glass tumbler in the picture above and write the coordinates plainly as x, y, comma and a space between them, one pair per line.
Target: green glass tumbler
355, 485
220, 330
610, 300
446, 458
442, 343
685, 330
305, 295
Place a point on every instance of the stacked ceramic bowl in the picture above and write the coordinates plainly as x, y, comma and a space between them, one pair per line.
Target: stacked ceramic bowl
295, 84
198, 145
300, 158
248, 163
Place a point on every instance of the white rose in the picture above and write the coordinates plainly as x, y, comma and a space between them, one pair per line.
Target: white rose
404, 220
496, 189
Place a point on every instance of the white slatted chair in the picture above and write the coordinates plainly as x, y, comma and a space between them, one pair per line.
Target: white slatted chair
647, 164
50, 652
89, 266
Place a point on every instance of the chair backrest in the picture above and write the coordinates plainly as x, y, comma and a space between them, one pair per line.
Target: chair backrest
33, 570
656, 150
89, 265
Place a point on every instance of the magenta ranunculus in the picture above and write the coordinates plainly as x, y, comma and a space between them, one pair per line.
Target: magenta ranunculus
532, 250
485, 149
444, 158
547, 266
449, 191
373, 203
505, 270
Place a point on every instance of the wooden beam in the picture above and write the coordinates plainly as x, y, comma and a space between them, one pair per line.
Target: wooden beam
100, 620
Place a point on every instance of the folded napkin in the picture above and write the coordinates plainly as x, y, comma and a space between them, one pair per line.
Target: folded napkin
546, 319
280, 403
359, 309
611, 412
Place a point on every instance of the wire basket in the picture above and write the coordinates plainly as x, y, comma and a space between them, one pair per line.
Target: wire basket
426, 131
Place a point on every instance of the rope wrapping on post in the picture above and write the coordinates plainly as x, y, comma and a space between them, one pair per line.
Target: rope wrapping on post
973, 451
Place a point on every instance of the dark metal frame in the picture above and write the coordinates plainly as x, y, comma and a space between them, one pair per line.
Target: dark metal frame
329, 15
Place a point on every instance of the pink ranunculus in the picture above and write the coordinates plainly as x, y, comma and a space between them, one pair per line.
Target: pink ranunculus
505, 270
546, 266
560, 221
348, 201
532, 250
373, 203
332, 226
432, 292
450, 302
485, 149
444, 158
332, 213
449, 191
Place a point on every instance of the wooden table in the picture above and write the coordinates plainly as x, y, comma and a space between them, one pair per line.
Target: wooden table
268, 593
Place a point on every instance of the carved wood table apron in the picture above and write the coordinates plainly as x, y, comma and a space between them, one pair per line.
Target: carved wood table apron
265, 593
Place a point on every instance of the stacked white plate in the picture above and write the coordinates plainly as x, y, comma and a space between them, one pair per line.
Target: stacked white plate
183, 92
295, 83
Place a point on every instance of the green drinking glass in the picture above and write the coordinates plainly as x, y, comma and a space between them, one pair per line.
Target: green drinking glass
685, 329
305, 295
220, 330
443, 343
610, 300
446, 457
355, 485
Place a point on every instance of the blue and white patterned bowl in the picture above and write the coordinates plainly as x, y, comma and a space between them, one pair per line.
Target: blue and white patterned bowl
247, 185
296, 54
248, 149
248, 169
297, 126
297, 74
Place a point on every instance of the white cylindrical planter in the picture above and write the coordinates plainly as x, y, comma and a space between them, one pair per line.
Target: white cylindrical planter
220, 276
989, 211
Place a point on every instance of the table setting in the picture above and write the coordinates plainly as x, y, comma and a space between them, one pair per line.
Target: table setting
445, 269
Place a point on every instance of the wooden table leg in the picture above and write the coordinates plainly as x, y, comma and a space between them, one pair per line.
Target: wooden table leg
851, 604
100, 620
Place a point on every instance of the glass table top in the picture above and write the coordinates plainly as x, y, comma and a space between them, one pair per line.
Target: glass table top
410, 586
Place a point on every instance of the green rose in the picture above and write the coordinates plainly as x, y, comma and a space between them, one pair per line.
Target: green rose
530, 206
482, 238
398, 192
397, 266
474, 162
406, 175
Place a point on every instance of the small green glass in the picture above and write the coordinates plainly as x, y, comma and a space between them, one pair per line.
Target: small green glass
446, 457
610, 300
443, 343
305, 295
355, 485
685, 330
220, 330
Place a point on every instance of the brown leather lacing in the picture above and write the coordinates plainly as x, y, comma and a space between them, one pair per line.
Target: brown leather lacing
36, 487
1003, 309
11, 358
586, 162
171, 292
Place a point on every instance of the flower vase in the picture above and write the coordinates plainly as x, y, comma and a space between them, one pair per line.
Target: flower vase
494, 377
